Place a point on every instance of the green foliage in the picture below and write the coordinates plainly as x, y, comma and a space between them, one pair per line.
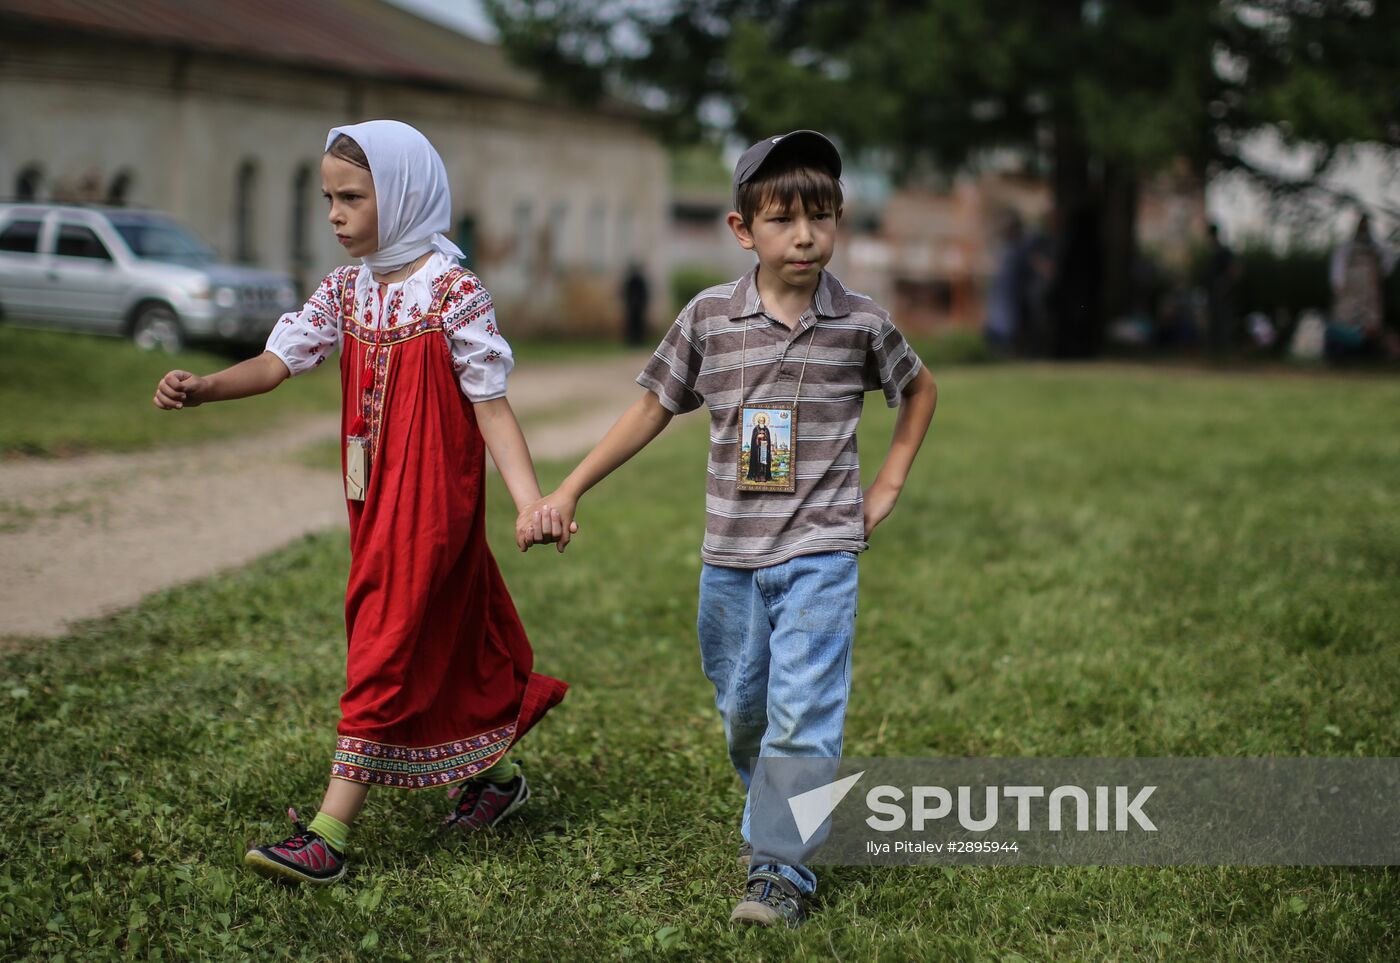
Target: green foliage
689, 280
956, 347
699, 165
1135, 85
1082, 564
1274, 281
1324, 69
1290, 281
65, 393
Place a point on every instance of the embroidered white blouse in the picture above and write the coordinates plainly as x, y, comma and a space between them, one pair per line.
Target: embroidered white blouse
481, 358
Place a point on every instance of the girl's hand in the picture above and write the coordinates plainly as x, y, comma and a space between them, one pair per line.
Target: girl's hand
180, 389
550, 519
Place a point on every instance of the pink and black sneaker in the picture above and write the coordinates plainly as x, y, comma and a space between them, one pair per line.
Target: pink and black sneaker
303, 857
483, 804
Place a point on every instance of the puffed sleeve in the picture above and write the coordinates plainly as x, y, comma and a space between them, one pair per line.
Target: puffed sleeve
481, 358
303, 339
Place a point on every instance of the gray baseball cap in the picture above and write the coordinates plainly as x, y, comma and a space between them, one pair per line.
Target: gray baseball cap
806, 144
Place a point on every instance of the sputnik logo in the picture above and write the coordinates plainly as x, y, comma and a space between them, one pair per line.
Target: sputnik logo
812, 808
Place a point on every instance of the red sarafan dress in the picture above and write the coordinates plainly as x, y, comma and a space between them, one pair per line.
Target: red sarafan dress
440, 679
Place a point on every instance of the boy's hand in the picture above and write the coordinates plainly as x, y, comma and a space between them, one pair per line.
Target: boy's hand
551, 519
879, 502
180, 389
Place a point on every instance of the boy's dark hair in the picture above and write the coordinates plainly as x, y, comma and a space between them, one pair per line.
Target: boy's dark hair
817, 189
346, 149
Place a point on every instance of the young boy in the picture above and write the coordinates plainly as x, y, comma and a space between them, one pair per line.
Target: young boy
785, 355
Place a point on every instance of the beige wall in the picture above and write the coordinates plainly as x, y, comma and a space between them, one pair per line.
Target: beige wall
183, 125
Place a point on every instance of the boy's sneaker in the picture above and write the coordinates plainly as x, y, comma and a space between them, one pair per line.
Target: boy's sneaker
303, 857
745, 854
483, 804
770, 899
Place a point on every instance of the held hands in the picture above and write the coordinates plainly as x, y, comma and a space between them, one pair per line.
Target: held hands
551, 519
879, 502
180, 389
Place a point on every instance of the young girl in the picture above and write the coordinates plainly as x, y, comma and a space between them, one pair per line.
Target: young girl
439, 681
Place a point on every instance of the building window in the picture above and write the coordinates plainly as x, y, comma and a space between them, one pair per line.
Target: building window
244, 224
28, 183
119, 190
299, 234
597, 236
524, 248
625, 250
558, 223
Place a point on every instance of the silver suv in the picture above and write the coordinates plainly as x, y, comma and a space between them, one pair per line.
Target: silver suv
138, 274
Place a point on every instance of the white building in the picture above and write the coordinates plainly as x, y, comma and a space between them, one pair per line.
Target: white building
217, 110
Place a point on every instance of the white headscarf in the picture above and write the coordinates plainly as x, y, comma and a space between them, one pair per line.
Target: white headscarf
410, 189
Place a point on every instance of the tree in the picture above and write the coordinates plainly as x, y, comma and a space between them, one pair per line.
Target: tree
1102, 92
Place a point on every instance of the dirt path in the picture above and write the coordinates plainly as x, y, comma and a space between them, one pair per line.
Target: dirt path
85, 536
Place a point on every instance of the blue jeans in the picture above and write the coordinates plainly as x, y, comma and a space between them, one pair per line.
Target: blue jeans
776, 643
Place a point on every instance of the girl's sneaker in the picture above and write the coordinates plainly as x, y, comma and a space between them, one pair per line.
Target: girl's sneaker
482, 804
303, 857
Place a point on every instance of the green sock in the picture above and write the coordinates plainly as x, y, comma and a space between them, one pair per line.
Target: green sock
503, 771
332, 830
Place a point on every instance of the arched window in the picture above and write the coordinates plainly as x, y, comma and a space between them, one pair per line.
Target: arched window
29, 182
299, 229
244, 224
597, 235
558, 224
119, 191
625, 247
524, 238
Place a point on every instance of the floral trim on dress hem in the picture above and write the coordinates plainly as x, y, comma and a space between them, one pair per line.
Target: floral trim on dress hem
380, 764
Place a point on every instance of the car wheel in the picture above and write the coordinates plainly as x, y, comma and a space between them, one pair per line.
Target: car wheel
157, 328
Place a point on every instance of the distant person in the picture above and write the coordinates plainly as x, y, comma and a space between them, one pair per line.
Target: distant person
635, 295
1262, 333
778, 585
1178, 314
1034, 339
1006, 295
1222, 275
1309, 341
1356, 269
439, 671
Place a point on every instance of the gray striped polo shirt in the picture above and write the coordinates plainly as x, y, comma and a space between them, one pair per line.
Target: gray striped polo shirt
854, 348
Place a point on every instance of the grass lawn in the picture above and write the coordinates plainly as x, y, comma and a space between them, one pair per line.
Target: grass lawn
68, 393
1086, 563
63, 394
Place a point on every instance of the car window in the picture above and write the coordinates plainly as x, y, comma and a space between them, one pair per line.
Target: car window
20, 237
74, 240
162, 240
